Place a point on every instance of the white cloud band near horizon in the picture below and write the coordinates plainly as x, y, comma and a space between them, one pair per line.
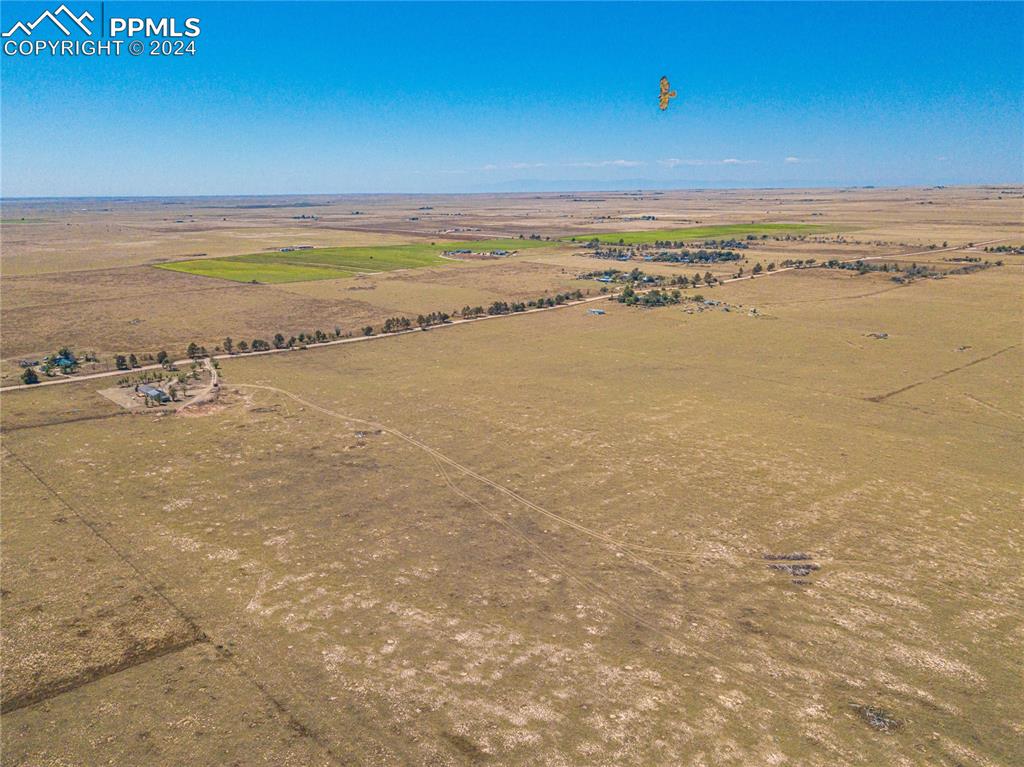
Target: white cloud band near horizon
675, 162
668, 162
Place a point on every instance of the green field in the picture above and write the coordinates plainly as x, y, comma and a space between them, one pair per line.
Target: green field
242, 271
333, 263
718, 232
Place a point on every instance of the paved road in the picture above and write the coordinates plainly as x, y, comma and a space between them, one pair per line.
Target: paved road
453, 323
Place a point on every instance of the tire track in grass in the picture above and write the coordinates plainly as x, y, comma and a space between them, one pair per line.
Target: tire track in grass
692, 651
197, 634
937, 376
439, 456
624, 547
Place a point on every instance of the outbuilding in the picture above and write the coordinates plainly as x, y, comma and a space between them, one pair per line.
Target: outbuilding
153, 393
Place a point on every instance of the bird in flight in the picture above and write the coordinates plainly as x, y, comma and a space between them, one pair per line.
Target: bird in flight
665, 95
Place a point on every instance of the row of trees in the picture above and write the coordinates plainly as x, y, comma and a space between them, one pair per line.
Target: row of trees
196, 351
651, 299
683, 281
396, 324
758, 269
637, 278
231, 346
160, 377
863, 267
434, 318
126, 363
707, 244
390, 325
904, 273
546, 302
504, 307
701, 256
617, 275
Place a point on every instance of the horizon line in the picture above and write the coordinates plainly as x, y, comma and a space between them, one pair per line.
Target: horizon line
594, 190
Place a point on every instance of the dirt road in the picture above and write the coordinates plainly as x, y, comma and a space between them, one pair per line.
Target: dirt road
351, 340
453, 323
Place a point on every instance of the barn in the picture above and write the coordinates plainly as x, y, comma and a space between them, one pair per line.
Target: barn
153, 393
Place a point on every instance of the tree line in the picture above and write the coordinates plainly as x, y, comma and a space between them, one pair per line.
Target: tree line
229, 345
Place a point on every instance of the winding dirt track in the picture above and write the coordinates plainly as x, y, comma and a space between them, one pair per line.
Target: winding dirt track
624, 608
615, 604
441, 458
631, 550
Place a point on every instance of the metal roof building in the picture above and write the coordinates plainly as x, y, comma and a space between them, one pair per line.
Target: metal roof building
153, 393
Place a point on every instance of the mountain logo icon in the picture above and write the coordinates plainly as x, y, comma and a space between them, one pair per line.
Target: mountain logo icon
62, 18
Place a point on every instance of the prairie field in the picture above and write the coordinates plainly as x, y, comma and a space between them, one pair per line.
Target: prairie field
720, 231
332, 263
778, 525
270, 272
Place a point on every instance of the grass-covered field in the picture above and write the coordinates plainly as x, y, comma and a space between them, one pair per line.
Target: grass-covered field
248, 271
718, 232
342, 581
562, 559
333, 263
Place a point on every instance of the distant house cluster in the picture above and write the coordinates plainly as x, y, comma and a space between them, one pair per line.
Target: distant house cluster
497, 253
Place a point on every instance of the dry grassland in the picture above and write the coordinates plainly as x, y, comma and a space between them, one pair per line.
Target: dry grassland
542, 540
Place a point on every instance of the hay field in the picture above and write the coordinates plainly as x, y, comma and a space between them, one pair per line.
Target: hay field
541, 539
77, 234
334, 263
84, 234
255, 272
82, 276
144, 310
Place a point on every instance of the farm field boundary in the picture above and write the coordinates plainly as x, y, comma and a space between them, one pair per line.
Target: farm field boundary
303, 265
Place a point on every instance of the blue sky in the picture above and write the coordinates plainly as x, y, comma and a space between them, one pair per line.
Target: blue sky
335, 97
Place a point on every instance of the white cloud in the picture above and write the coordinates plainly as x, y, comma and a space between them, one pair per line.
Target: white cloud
607, 164
512, 166
669, 162
792, 160
675, 162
